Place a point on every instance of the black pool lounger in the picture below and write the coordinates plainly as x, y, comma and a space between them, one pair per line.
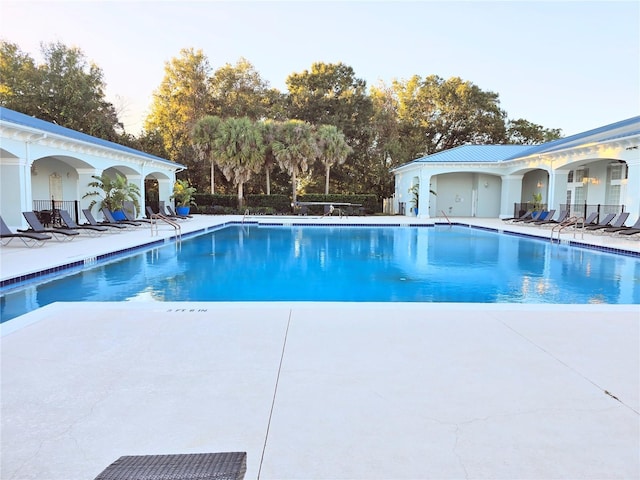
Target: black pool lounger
204, 466
37, 227
30, 239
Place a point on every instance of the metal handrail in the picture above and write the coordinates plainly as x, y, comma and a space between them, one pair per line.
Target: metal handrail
157, 217
445, 216
570, 222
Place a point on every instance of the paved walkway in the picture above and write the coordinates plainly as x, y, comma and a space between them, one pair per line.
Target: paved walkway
320, 391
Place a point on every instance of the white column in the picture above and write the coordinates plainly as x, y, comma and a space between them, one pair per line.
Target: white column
511, 192
15, 194
85, 177
424, 195
165, 189
631, 198
139, 181
557, 188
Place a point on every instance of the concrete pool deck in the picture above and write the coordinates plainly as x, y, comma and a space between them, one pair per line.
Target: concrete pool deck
320, 391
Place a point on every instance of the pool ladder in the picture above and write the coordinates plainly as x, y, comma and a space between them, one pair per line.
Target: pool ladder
569, 222
445, 216
158, 217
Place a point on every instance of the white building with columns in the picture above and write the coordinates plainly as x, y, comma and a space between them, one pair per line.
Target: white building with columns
598, 170
41, 163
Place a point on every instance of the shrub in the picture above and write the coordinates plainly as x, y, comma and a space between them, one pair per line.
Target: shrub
369, 202
277, 203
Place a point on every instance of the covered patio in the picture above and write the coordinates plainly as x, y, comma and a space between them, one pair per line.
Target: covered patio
45, 167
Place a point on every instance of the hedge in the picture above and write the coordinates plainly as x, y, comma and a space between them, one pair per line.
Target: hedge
369, 202
206, 203
276, 204
279, 203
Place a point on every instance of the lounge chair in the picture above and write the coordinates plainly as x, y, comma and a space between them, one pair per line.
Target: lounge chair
575, 221
92, 221
59, 234
90, 229
173, 214
220, 466
590, 220
603, 224
542, 217
550, 221
524, 216
534, 217
617, 224
109, 218
130, 218
30, 239
151, 214
620, 228
632, 230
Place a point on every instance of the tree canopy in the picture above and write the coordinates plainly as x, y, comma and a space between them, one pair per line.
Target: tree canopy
329, 125
66, 89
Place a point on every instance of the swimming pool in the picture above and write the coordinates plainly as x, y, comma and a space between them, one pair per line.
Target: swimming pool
346, 264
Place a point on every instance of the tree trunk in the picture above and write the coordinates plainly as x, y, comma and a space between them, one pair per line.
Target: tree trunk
294, 182
268, 182
240, 194
326, 183
213, 183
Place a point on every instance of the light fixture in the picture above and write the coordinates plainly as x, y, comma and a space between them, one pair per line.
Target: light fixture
486, 184
540, 184
591, 180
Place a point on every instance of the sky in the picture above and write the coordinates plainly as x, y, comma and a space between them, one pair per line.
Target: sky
572, 65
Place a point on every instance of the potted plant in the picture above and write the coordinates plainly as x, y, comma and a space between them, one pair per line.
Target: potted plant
183, 195
415, 192
415, 197
537, 202
114, 192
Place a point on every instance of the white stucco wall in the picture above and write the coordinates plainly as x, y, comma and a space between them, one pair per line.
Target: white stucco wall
461, 184
73, 162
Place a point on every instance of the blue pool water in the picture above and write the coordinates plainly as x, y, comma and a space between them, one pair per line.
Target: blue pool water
347, 264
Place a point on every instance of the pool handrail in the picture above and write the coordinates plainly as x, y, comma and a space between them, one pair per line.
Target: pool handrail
569, 222
445, 216
156, 217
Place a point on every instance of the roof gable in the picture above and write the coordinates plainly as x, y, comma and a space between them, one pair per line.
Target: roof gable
17, 118
476, 153
501, 153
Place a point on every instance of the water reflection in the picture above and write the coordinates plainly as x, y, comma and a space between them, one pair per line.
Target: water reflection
438, 264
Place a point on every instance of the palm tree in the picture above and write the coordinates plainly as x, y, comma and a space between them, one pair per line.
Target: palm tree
294, 148
269, 131
114, 192
332, 149
203, 136
239, 149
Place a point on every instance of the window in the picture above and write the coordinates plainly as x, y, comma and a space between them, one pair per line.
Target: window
615, 172
580, 195
613, 194
581, 174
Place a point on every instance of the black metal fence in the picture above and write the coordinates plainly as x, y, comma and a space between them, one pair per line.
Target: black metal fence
47, 211
584, 209
520, 209
575, 210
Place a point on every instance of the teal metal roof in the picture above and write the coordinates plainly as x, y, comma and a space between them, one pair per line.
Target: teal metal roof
11, 116
476, 153
502, 153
